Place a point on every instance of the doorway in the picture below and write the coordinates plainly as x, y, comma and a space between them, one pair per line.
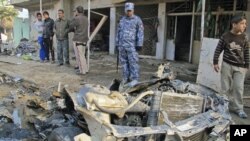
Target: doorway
182, 40
101, 40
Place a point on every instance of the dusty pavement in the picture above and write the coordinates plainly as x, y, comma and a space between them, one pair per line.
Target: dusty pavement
102, 71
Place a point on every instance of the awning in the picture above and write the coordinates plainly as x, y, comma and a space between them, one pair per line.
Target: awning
117, 1
33, 4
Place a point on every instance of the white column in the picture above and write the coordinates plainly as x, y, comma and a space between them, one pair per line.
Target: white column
112, 30
192, 35
88, 43
160, 46
41, 6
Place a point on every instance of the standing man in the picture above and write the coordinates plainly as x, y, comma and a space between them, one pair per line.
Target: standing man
39, 25
235, 63
79, 25
62, 29
48, 36
129, 40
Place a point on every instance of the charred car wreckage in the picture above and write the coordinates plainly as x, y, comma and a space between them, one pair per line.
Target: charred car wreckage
161, 109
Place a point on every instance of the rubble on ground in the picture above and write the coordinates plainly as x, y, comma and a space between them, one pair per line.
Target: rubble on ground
162, 108
25, 115
25, 47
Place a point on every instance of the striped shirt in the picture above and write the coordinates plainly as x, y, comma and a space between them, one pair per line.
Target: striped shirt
236, 50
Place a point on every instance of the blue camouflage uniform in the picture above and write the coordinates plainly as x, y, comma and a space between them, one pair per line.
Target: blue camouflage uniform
130, 33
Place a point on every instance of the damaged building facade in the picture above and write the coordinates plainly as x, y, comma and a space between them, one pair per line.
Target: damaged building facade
172, 27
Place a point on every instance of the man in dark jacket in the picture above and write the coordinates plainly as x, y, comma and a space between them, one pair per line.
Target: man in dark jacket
62, 30
79, 25
48, 36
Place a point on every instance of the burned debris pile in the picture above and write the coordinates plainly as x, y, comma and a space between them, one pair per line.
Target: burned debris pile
31, 113
26, 49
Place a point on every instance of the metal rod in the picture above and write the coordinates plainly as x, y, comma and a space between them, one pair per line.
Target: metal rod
175, 33
41, 6
202, 19
216, 22
98, 27
100, 14
175, 28
192, 36
198, 13
234, 8
88, 43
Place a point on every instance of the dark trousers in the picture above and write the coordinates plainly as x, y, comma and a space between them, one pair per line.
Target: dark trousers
0, 48
63, 51
49, 48
42, 48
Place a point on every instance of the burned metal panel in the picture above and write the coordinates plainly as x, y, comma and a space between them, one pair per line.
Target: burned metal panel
198, 123
181, 106
126, 131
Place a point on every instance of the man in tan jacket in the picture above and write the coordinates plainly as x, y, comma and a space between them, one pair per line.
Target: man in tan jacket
79, 25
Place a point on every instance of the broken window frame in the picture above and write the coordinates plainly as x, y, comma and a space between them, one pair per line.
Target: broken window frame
220, 10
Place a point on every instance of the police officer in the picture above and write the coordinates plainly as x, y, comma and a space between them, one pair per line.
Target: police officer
129, 40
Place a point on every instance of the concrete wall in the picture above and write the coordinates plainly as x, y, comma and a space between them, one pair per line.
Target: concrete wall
160, 46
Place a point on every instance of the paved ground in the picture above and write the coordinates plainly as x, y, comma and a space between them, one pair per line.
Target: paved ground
102, 71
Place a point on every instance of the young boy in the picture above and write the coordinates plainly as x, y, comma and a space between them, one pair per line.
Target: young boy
235, 63
39, 25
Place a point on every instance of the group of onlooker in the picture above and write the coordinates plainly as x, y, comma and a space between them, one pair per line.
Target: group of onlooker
61, 27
